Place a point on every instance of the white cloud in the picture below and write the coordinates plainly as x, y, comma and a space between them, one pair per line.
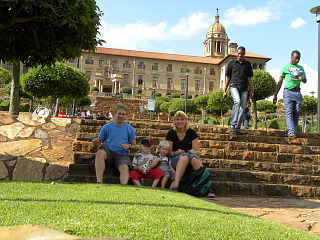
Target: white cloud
310, 86
140, 34
240, 16
299, 22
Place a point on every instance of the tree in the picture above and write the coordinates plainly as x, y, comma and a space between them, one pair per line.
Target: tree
22, 94
266, 107
157, 94
164, 107
202, 102
175, 95
184, 96
56, 81
43, 32
157, 105
5, 76
178, 104
309, 107
217, 106
264, 86
126, 90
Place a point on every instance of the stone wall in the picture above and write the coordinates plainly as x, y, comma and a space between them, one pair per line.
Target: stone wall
35, 148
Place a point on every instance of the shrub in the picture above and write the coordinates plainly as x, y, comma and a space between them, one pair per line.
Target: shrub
126, 90
157, 94
4, 105
175, 95
94, 89
24, 107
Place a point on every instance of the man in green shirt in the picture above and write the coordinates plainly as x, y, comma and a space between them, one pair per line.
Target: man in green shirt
292, 74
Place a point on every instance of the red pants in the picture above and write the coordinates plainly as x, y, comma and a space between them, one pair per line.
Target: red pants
154, 174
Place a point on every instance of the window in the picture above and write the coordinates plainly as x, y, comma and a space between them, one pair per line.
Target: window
212, 72
114, 64
155, 81
183, 69
9, 67
155, 66
88, 73
183, 84
141, 65
126, 78
126, 64
198, 70
25, 69
197, 84
101, 63
140, 80
89, 60
211, 86
169, 82
169, 68
73, 60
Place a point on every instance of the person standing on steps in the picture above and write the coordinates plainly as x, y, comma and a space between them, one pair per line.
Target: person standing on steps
239, 73
292, 74
119, 137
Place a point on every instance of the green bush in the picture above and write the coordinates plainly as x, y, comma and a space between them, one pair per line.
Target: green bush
4, 105
174, 95
157, 94
24, 107
94, 88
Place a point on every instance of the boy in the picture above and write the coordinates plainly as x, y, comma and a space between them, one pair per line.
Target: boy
163, 162
141, 165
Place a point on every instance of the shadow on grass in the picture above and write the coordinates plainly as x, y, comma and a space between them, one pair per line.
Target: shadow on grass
131, 203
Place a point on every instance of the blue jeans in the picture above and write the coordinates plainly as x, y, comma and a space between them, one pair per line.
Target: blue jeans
239, 105
246, 123
175, 159
292, 100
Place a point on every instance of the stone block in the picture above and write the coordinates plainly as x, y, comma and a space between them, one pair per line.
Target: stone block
213, 163
40, 134
19, 148
263, 147
277, 190
26, 132
295, 168
305, 159
291, 149
265, 156
73, 127
241, 146
48, 126
211, 153
7, 119
28, 120
265, 166
235, 164
303, 191
312, 149
315, 180
3, 139
203, 144
61, 135
219, 144
85, 136
295, 179
285, 158
62, 122
11, 131
311, 142
3, 170
315, 170
239, 154
260, 139
29, 169
55, 171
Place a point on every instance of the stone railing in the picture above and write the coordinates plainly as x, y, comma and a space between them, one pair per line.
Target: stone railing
35, 148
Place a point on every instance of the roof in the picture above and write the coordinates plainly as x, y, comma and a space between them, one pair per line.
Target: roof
251, 55
167, 56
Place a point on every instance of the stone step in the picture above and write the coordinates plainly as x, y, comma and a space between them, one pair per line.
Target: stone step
262, 189
264, 177
264, 166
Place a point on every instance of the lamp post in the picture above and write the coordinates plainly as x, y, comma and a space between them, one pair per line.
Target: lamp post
154, 97
185, 107
316, 10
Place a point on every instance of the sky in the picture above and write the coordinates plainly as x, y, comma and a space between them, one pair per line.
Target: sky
269, 28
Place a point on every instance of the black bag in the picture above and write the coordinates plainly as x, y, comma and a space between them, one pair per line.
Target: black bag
197, 184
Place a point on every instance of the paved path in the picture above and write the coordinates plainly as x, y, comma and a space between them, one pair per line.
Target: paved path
302, 214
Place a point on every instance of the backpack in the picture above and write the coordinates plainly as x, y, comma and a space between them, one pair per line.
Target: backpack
197, 184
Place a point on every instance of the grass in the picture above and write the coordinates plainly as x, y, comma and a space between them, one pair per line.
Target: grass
94, 210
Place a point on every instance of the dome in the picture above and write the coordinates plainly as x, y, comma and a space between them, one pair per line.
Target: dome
216, 27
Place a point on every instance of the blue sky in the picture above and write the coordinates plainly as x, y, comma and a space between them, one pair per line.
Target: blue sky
268, 28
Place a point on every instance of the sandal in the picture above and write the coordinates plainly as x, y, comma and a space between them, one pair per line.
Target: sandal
210, 195
292, 135
175, 189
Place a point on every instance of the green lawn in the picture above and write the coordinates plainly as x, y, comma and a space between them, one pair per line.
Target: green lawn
95, 210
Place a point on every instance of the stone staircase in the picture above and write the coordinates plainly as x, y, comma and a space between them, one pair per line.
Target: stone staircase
258, 163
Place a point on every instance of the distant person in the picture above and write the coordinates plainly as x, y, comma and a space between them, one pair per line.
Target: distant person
110, 116
247, 116
142, 168
292, 74
163, 161
239, 73
119, 137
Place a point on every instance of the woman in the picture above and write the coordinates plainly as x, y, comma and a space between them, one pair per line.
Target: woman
184, 148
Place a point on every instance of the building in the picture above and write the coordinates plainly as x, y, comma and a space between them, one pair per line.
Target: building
110, 69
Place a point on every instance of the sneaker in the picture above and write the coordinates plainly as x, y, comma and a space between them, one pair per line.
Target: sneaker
292, 135
232, 128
